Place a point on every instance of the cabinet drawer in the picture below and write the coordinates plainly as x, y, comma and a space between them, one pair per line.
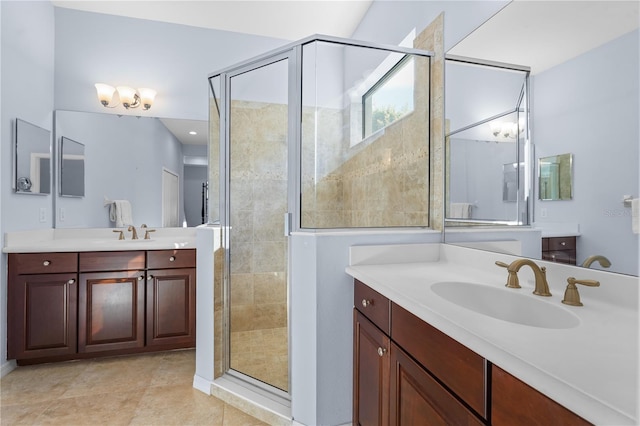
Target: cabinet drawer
562, 243
459, 368
561, 256
111, 261
372, 304
507, 407
163, 259
42, 263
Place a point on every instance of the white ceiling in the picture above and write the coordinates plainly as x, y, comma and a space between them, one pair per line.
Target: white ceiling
181, 128
542, 34
290, 20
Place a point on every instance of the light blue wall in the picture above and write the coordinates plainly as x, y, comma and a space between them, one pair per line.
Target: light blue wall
27, 56
589, 106
173, 59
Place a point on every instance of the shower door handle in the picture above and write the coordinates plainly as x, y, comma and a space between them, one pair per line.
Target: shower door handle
287, 224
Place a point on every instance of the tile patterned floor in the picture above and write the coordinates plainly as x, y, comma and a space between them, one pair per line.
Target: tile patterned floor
262, 354
149, 389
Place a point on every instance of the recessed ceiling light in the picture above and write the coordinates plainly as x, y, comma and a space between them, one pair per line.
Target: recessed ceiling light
193, 133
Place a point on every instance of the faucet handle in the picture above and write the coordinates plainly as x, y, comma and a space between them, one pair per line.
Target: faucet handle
501, 264
121, 236
571, 295
146, 233
144, 225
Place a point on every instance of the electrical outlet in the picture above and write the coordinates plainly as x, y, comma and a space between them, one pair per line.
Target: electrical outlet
43, 214
543, 212
61, 214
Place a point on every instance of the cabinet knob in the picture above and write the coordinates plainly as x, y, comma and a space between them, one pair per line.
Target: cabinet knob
563, 243
172, 259
71, 281
140, 278
149, 277
381, 351
366, 303
46, 263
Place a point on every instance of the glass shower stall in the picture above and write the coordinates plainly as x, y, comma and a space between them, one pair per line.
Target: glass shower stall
322, 134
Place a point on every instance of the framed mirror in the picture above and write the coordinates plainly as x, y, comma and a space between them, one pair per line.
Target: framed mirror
32, 160
71, 168
555, 177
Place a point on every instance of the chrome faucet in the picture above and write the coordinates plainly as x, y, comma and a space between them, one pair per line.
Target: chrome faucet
134, 235
540, 273
603, 261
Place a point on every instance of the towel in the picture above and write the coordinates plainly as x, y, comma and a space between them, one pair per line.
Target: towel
635, 215
460, 210
120, 213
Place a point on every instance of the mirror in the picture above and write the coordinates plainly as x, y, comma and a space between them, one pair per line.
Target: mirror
129, 158
32, 162
71, 168
584, 61
486, 144
555, 177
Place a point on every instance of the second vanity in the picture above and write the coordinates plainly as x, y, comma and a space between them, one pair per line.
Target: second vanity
83, 293
438, 321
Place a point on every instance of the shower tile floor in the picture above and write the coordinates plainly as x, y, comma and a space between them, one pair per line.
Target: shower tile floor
148, 389
262, 354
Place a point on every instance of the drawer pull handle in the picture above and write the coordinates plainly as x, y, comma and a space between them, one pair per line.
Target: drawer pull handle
140, 278
46, 263
71, 281
366, 303
563, 243
381, 351
172, 259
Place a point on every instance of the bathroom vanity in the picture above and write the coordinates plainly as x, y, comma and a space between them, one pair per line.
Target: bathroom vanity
424, 352
68, 300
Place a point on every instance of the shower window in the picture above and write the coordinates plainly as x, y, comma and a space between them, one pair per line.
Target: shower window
383, 180
390, 99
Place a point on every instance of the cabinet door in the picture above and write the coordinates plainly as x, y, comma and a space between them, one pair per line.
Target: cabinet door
42, 315
111, 311
416, 398
171, 310
370, 373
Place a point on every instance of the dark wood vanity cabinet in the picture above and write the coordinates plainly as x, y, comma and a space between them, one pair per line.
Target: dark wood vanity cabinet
559, 249
394, 380
77, 305
410, 373
171, 298
42, 305
111, 301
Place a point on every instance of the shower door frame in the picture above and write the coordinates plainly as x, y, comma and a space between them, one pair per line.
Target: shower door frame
293, 54
225, 210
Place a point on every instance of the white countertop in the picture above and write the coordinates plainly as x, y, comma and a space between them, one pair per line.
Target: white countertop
96, 239
592, 369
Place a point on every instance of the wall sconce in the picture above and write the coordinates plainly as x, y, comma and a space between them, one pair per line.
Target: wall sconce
129, 97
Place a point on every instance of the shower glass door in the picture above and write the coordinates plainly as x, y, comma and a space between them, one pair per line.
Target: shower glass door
256, 203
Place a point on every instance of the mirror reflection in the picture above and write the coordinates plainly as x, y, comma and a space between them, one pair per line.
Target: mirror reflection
71, 168
485, 147
32, 159
554, 177
584, 101
137, 159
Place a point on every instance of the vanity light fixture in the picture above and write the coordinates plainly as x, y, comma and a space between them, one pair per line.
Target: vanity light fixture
507, 129
129, 97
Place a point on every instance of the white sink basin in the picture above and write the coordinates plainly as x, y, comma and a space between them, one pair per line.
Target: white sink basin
506, 304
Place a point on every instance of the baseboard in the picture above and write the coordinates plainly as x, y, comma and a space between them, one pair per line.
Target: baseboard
7, 367
201, 384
